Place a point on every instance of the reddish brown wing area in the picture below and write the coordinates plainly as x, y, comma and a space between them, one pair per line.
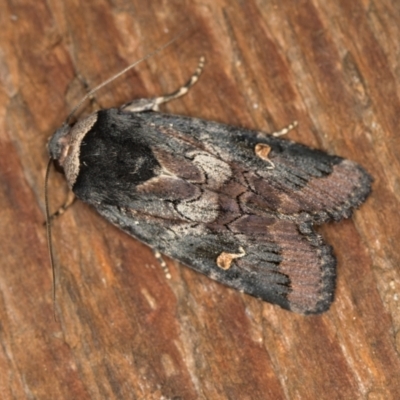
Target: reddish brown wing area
303, 257
332, 196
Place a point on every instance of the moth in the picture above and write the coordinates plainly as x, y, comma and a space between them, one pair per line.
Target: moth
234, 204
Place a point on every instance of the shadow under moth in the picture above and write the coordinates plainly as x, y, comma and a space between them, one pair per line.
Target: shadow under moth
234, 204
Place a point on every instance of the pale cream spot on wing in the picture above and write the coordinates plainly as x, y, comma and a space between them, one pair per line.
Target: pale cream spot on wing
225, 260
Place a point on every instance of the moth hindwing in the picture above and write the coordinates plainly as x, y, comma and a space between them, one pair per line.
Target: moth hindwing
234, 204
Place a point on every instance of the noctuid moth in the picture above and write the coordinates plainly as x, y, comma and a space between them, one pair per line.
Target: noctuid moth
234, 204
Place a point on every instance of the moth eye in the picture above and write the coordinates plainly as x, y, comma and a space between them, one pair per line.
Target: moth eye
58, 167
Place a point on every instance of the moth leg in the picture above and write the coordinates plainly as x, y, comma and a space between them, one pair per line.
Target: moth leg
154, 102
285, 130
163, 264
68, 203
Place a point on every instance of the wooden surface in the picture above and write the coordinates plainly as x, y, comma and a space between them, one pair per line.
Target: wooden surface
126, 332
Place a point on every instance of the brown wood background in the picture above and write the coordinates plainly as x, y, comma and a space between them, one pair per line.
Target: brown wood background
124, 330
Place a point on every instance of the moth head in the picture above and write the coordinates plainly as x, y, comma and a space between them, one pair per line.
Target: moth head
64, 146
58, 143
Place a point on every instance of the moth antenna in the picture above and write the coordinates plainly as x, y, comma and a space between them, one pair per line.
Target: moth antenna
48, 231
117, 75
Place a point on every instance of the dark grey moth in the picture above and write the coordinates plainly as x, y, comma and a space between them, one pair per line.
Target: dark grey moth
234, 204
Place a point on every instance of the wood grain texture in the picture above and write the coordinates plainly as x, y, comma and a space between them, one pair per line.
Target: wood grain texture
126, 332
